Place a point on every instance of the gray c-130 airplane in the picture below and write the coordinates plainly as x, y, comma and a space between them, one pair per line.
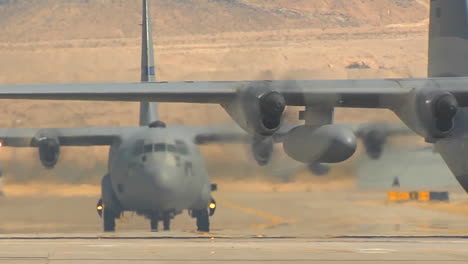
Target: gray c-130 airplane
435, 107
154, 170
157, 170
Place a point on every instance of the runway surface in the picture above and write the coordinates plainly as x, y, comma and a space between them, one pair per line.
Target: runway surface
184, 248
328, 226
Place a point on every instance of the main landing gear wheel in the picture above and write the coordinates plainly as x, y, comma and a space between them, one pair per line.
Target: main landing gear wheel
108, 206
203, 220
108, 218
167, 222
154, 224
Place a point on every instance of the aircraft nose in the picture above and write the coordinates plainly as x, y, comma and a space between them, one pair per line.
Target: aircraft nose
158, 175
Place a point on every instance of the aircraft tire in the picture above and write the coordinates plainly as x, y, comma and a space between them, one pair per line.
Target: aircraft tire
108, 219
110, 203
167, 223
154, 224
203, 220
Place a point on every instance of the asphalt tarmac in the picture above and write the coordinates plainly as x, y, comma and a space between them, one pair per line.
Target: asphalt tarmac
327, 226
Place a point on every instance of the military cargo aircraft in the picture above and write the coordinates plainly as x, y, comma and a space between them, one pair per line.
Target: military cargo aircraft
154, 170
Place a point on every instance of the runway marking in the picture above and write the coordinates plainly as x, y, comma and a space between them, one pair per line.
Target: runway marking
100, 245
376, 250
274, 221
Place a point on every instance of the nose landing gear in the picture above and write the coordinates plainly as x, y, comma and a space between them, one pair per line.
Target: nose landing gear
164, 217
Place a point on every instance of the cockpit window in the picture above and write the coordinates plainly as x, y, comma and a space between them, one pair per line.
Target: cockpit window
160, 147
181, 147
148, 148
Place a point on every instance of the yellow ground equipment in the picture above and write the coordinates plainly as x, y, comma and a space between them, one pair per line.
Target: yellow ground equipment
418, 196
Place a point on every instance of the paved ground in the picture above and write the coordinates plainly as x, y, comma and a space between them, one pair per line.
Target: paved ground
325, 226
183, 248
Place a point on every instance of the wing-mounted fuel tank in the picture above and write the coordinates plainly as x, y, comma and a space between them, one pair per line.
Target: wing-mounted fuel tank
428, 111
320, 144
258, 110
48, 145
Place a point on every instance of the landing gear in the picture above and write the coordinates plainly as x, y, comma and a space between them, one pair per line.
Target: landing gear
108, 220
167, 221
154, 224
203, 220
108, 206
165, 218
212, 207
203, 216
100, 207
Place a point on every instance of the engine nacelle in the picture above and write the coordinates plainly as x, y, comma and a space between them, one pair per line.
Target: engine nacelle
319, 169
49, 151
324, 144
374, 143
431, 113
374, 139
259, 111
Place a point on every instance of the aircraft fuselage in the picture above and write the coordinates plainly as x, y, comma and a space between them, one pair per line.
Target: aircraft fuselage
158, 170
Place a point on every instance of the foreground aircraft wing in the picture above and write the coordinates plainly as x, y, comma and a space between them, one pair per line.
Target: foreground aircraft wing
92, 136
104, 136
218, 134
386, 128
230, 134
346, 93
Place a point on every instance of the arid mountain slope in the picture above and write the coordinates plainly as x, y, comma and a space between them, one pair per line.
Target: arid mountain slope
25, 20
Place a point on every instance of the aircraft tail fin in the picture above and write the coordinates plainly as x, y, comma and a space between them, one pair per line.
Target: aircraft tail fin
448, 38
148, 110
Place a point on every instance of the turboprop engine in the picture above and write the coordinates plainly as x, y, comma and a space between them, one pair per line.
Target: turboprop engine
323, 144
374, 137
259, 111
49, 151
262, 150
430, 113
374, 142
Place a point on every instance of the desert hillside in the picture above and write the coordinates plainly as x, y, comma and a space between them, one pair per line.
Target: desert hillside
25, 20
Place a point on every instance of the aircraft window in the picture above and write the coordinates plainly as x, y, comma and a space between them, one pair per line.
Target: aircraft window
148, 148
160, 147
181, 147
138, 148
171, 148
